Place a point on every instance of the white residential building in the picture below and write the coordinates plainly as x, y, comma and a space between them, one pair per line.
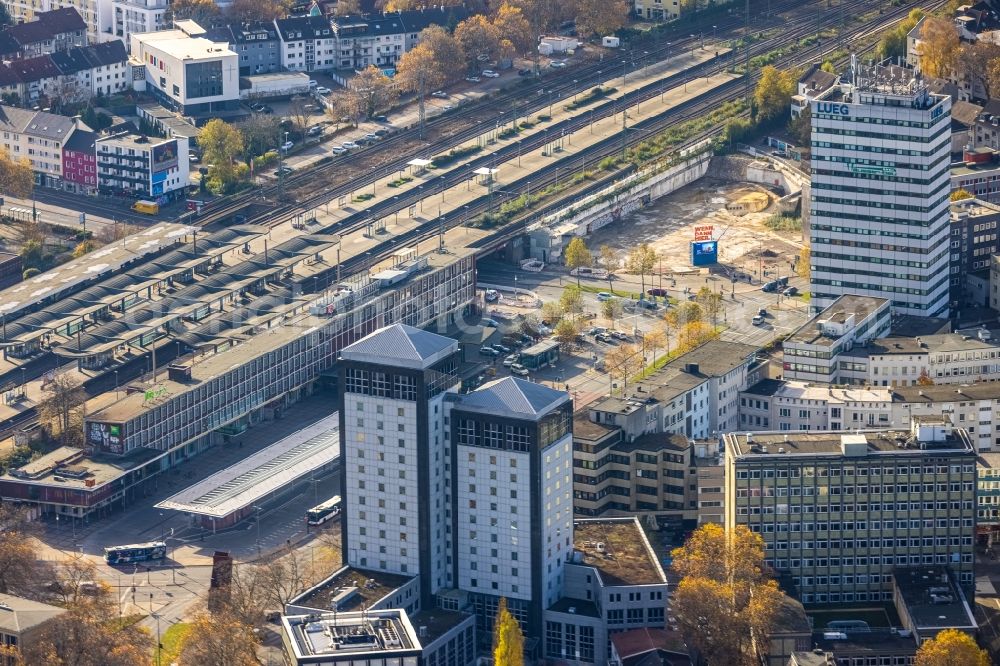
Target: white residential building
879, 216
192, 75
130, 17
812, 353
308, 43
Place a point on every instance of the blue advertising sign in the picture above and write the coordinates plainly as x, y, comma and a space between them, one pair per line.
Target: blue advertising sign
704, 253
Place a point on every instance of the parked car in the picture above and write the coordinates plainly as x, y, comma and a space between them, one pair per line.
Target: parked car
524, 72
619, 335
194, 159
769, 287
381, 119
491, 296
338, 150
440, 94
791, 291
380, 132
473, 79
519, 370
656, 291
491, 322
283, 171
557, 64
511, 360
315, 130
762, 312
597, 329
782, 281
288, 145
323, 90
488, 351
490, 74
503, 349
350, 145
604, 296
371, 136
604, 337
757, 320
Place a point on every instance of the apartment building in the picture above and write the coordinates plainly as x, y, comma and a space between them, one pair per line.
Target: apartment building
256, 43
879, 221
50, 31
974, 240
772, 404
21, 621
192, 75
39, 137
657, 10
614, 476
840, 512
95, 16
814, 84
308, 43
142, 167
812, 352
80, 162
131, 17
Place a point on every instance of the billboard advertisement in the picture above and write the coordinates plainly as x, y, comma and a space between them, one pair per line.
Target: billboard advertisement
704, 253
164, 156
107, 437
704, 233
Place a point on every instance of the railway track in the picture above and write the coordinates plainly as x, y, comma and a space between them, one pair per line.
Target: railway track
331, 179
679, 114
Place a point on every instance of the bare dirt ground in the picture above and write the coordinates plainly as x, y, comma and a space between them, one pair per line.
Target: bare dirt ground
668, 226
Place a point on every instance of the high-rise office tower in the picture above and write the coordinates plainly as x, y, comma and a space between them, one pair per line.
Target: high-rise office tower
879, 216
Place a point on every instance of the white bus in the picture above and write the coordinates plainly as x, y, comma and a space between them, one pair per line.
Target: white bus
324, 512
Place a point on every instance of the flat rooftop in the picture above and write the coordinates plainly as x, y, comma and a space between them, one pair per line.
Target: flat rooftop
586, 430
437, 623
625, 556
947, 392
265, 472
371, 586
932, 599
576, 607
101, 262
67, 467
383, 633
178, 44
769, 444
838, 312
799, 390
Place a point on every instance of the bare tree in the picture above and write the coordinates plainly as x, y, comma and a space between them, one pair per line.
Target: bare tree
220, 639
59, 409
21, 572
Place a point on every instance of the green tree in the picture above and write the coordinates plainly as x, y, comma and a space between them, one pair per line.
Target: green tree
802, 266
611, 310
599, 17
711, 304
566, 331
261, 133
508, 641
828, 67
774, 92
480, 41
610, 260
513, 27
219, 639
571, 301
641, 261
199, 11
221, 145
951, 647
32, 255
577, 256
893, 42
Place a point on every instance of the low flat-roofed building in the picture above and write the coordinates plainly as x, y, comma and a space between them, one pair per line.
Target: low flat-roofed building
876, 646
366, 638
351, 588
613, 582
230, 495
929, 600
811, 352
21, 620
773, 404
838, 511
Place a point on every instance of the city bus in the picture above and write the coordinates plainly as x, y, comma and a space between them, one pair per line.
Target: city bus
148, 207
324, 512
138, 552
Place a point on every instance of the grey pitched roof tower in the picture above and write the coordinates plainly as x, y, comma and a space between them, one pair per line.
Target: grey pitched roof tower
514, 397
401, 345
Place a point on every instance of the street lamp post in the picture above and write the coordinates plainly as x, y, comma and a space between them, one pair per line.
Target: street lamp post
258, 530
